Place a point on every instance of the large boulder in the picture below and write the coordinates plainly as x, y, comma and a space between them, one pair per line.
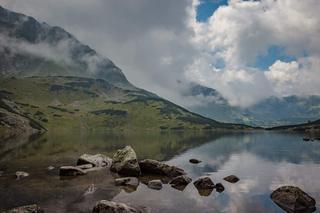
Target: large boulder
180, 182
26, 209
71, 171
293, 200
98, 160
104, 206
149, 166
125, 162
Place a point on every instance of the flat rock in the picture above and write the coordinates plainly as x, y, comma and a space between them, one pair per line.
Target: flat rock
49, 168
180, 182
71, 171
98, 160
20, 175
149, 166
125, 162
104, 206
85, 166
293, 200
219, 187
231, 179
155, 184
26, 209
195, 161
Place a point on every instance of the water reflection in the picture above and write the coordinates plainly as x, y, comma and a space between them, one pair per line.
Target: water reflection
263, 161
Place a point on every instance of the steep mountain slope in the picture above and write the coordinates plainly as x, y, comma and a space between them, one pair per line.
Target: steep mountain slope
272, 111
64, 103
29, 48
51, 81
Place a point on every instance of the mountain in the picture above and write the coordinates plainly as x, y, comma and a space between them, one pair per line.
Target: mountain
31, 48
50, 81
272, 111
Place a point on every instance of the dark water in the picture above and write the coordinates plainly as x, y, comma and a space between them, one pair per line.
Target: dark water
263, 161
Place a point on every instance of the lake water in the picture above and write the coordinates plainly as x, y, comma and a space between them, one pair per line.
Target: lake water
262, 160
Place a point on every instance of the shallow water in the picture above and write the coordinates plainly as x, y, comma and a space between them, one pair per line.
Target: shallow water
263, 161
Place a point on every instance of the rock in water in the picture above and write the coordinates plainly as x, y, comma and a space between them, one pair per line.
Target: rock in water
195, 161
49, 168
231, 179
71, 171
130, 184
98, 160
125, 162
104, 206
20, 175
154, 167
219, 187
155, 184
204, 186
90, 190
180, 182
26, 209
293, 200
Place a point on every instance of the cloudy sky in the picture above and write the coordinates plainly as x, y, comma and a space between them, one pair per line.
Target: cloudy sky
247, 50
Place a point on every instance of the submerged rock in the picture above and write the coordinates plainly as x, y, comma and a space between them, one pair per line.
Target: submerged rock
71, 171
219, 187
180, 182
130, 184
154, 167
90, 190
155, 184
49, 168
125, 162
104, 206
204, 186
20, 175
98, 160
26, 209
195, 161
293, 200
231, 179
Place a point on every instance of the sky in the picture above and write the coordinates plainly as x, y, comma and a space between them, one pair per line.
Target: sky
246, 50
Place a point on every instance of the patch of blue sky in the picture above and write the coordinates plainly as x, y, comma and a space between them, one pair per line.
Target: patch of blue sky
207, 8
273, 54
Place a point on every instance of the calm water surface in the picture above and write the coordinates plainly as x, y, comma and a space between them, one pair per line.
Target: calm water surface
263, 161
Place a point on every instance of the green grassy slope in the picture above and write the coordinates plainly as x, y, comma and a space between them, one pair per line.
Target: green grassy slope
64, 103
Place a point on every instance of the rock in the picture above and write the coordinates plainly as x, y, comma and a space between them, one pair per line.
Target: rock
231, 179
195, 161
90, 190
306, 139
104, 206
293, 200
219, 187
125, 162
155, 184
180, 182
154, 167
71, 171
98, 160
20, 175
85, 166
204, 186
49, 168
26, 209
133, 181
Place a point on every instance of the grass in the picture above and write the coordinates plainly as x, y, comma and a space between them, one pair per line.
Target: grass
64, 103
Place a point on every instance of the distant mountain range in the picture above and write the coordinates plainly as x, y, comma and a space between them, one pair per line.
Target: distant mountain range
272, 111
51, 81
